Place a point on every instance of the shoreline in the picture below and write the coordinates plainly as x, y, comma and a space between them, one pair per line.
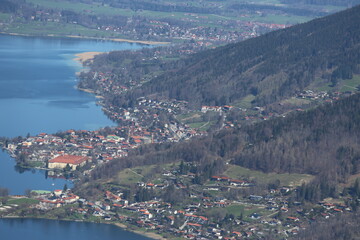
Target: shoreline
87, 90
151, 235
81, 58
85, 56
88, 37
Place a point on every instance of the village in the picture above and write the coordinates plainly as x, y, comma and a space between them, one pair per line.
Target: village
184, 27
149, 121
168, 200
206, 212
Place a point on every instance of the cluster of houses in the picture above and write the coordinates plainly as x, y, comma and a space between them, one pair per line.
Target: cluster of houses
310, 94
323, 95
204, 215
75, 147
56, 199
205, 109
189, 26
233, 182
202, 36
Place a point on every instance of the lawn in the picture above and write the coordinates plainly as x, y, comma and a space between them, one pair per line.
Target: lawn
238, 209
150, 173
342, 86
4, 16
245, 102
57, 29
350, 84
202, 126
21, 201
96, 9
188, 116
129, 176
293, 179
296, 101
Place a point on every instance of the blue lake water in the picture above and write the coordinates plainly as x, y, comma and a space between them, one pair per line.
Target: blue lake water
20, 180
38, 94
39, 229
37, 85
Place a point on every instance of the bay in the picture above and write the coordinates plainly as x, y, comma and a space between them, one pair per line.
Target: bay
38, 94
37, 85
19, 180
42, 229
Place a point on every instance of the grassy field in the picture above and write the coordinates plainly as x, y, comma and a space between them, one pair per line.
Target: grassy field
149, 173
195, 19
201, 19
57, 29
294, 179
350, 84
238, 210
342, 86
277, 19
296, 101
96, 9
4, 16
188, 116
195, 120
202, 126
21, 201
245, 102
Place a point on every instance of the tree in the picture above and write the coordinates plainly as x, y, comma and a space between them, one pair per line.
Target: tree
28, 192
4, 192
67, 168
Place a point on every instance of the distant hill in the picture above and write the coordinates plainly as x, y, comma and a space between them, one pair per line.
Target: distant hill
271, 67
323, 2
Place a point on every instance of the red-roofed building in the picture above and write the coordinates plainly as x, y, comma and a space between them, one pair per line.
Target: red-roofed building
72, 160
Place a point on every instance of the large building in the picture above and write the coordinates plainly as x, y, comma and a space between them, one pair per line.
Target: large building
63, 161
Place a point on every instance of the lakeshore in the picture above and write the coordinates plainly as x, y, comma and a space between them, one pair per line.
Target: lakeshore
39, 104
40, 229
90, 38
85, 56
122, 226
146, 234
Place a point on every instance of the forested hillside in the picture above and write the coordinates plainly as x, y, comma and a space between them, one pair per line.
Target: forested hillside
324, 141
323, 2
271, 67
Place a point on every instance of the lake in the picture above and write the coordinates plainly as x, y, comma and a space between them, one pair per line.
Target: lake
38, 94
42, 229
38, 82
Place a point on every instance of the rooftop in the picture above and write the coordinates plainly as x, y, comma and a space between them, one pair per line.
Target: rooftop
70, 159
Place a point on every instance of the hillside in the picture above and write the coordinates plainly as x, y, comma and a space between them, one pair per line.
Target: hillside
323, 142
271, 67
323, 2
